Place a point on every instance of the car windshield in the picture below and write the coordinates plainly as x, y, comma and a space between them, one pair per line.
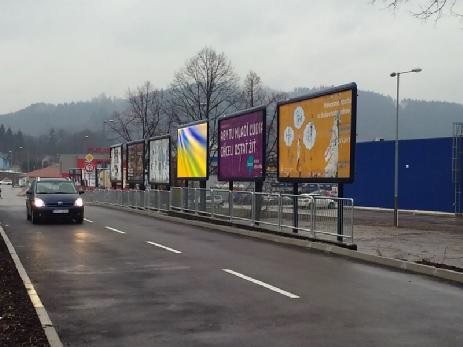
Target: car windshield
55, 187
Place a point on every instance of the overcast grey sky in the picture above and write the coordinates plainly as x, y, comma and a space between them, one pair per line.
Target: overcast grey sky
60, 51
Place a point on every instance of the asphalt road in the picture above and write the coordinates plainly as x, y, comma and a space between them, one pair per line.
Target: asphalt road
194, 287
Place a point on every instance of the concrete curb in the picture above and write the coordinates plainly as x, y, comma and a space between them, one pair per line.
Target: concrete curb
47, 325
403, 265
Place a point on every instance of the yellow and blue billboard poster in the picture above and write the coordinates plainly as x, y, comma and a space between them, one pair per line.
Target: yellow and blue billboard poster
316, 136
192, 148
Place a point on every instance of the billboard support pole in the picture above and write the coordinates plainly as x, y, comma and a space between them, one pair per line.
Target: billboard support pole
230, 200
202, 196
185, 196
96, 177
295, 207
340, 212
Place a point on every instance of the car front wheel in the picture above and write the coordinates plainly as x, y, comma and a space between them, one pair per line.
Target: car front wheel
34, 218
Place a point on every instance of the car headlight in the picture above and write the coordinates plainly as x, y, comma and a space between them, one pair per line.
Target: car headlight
79, 202
39, 202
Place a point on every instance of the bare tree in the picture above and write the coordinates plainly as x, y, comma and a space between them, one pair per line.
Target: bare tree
205, 88
144, 116
271, 138
254, 94
428, 9
253, 90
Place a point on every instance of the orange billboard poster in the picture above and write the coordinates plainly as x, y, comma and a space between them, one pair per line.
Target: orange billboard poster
316, 136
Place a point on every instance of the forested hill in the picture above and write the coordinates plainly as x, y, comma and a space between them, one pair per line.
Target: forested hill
376, 117
417, 119
39, 119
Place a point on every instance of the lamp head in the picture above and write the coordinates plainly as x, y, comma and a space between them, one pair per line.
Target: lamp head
417, 69
393, 74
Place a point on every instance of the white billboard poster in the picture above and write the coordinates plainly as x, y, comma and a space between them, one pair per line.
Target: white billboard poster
159, 159
116, 164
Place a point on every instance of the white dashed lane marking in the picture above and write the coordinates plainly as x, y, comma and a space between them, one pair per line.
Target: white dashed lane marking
88, 220
164, 247
263, 284
116, 230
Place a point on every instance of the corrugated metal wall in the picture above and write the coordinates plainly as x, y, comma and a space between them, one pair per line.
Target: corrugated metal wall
425, 175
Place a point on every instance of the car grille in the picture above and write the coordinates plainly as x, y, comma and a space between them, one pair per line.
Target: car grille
64, 204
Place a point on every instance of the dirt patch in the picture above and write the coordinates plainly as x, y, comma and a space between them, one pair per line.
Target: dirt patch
19, 324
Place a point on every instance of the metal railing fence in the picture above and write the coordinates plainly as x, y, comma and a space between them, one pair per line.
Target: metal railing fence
318, 217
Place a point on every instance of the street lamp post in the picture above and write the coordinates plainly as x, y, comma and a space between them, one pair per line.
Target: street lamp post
86, 137
11, 159
27, 155
104, 129
396, 156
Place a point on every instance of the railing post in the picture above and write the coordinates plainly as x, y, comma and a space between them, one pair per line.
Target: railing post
352, 220
253, 208
212, 202
230, 205
280, 211
313, 213
340, 231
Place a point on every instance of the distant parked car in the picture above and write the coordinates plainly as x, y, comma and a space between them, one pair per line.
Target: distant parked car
321, 201
218, 200
6, 181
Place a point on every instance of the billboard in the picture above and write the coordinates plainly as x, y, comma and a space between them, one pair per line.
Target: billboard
102, 178
76, 176
116, 163
242, 146
192, 151
316, 136
159, 160
135, 160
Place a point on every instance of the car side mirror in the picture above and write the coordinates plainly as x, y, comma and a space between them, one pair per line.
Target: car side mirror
81, 192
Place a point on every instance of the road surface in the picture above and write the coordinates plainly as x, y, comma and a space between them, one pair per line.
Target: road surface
127, 280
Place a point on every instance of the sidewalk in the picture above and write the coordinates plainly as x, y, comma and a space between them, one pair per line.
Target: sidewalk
438, 239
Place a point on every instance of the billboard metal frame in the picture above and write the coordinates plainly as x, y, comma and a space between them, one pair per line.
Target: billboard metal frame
207, 151
263, 110
121, 146
342, 88
128, 144
153, 139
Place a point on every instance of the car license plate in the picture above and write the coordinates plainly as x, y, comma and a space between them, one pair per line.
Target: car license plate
60, 211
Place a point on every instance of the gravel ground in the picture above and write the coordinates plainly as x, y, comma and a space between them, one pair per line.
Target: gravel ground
429, 239
19, 324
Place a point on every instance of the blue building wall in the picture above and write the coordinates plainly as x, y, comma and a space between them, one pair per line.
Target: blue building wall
4, 162
425, 175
